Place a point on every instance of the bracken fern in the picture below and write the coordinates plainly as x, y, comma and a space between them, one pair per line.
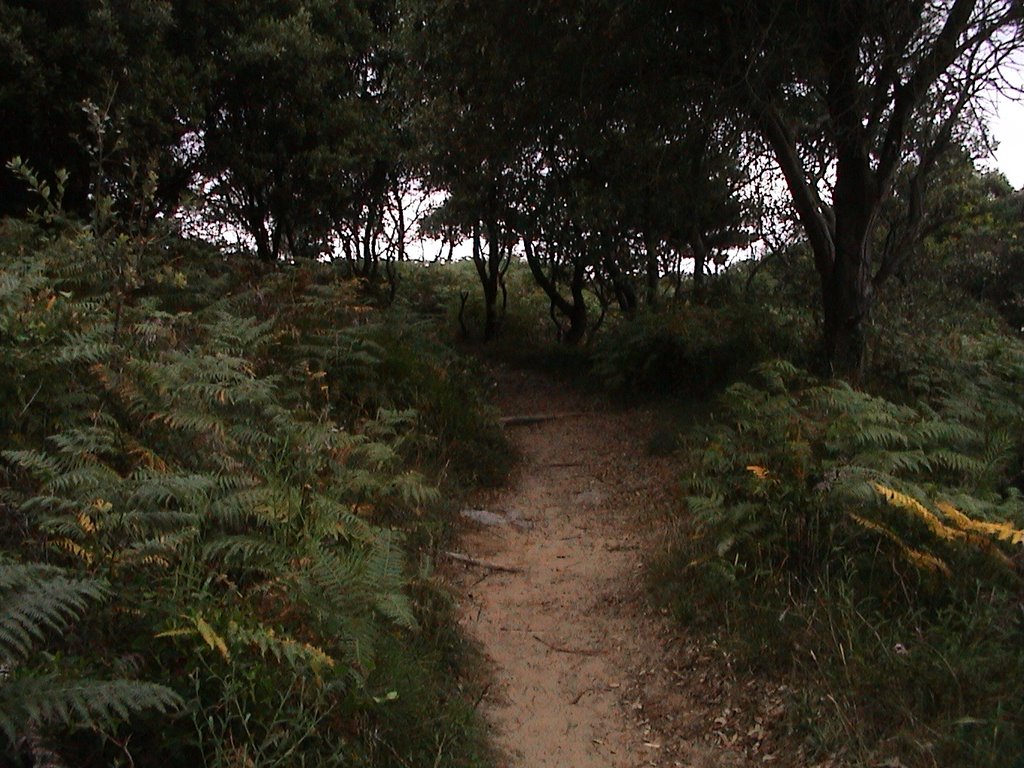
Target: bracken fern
827, 518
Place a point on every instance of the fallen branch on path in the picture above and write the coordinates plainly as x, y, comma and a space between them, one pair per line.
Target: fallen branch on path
481, 696
461, 558
581, 694
536, 418
562, 649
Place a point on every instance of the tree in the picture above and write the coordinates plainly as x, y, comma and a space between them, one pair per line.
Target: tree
63, 63
295, 138
847, 93
576, 151
468, 140
973, 237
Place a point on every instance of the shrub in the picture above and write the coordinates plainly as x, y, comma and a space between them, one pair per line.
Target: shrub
221, 473
870, 547
689, 350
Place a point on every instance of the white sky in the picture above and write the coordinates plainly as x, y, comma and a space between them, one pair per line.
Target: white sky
1008, 131
1007, 127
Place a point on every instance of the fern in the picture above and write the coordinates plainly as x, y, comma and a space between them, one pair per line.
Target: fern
295, 653
214, 462
38, 600
775, 457
77, 704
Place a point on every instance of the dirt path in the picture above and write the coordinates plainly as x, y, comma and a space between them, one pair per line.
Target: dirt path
576, 651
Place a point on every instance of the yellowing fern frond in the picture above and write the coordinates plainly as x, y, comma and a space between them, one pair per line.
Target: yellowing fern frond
319, 658
74, 548
201, 627
910, 504
283, 647
916, 557
148, 458
211, 638
176, 632
1004, 531
926, 561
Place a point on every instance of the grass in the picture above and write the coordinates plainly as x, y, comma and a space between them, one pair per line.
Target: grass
887, 659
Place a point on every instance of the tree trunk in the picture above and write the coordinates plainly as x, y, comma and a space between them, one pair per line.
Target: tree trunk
577, 326
257, 221
625, 295
846, 286
370, 262
846, 305
700, 261
578, 319
576, 310
651, 271
839, 236
488, 269
264, 252
401, 233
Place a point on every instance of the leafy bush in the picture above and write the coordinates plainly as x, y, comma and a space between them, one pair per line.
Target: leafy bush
220, 473
692, 350
872, 548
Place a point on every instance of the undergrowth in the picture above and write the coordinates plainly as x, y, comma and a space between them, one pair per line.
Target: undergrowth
689, 351
221, 491
872, 550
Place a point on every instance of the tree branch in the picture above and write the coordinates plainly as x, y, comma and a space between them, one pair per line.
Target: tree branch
806, 200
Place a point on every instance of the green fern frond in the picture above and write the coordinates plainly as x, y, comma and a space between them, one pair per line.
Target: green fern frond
37, 600
386, 563
41, 465
413, 489
30, 701
876, 435
166, 487
282, 647
778, 374
947, 432
959, 463
397, 608
247, 552
339, 521
375, 455
337, 577
194, 421
894, 461
86, 348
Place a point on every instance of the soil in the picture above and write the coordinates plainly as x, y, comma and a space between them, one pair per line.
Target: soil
586, 673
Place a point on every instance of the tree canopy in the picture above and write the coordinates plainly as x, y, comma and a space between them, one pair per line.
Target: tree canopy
617, 139
237, 425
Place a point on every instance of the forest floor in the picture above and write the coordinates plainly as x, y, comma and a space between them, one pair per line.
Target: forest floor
584, 671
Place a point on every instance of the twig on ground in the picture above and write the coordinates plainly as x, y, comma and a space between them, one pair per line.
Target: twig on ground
621, 547
583, 693
536, 418
562, 649
461, 558
481, 696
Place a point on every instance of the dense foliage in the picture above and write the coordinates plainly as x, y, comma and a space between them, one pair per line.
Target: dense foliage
865, 545
231, 427
209, 474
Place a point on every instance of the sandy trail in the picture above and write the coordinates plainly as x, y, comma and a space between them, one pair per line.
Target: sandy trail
585, 674
569, 635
